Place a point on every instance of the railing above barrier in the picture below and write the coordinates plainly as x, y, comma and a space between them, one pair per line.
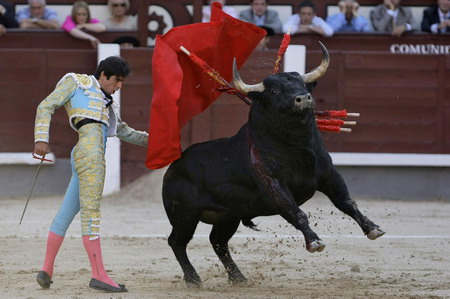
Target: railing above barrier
411, 43
54, 39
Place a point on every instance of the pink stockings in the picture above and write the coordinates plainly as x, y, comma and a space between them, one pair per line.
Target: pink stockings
54, 242
93, 251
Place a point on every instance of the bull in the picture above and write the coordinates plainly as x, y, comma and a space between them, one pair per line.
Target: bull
274, 164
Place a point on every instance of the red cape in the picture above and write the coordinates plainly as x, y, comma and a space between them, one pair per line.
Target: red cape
181, 89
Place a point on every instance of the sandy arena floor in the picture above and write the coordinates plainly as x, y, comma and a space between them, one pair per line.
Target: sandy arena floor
411, 261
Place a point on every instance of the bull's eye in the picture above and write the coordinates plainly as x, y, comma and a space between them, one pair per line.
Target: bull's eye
275, 91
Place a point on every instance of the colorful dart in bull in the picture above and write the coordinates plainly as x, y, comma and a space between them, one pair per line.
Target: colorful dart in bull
336, 113
334, 124
283, 48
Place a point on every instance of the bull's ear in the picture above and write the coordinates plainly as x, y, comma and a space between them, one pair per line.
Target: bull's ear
311, 85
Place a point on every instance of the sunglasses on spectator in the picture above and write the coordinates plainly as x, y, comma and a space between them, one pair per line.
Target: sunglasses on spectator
119, 4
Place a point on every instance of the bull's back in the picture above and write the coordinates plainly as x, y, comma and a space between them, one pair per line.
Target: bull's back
201, 158
213, 171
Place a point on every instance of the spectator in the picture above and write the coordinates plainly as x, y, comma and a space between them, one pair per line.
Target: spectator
266, 39
81, 19
348, 19
206, 12
260, 15
392, 17
436, 19
119, 18
7, 17
306, 21
37, 16
127, 42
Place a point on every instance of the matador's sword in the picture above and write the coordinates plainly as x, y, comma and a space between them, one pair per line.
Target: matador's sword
34, 182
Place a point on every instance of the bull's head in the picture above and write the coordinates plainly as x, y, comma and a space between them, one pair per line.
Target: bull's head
287, 86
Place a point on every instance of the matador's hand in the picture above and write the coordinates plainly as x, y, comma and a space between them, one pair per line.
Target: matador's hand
41, 148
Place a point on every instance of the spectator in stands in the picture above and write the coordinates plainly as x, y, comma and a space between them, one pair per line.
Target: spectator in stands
81, 20
119, 18
348, 20
206, 12
306, 21
7, 17
266, 39
436, 19
37, 16
260, 15
392, 17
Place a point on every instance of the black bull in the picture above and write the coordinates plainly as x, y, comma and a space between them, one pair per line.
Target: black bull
274, 164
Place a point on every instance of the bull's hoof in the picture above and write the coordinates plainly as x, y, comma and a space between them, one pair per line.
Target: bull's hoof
375, 233
314, 246
237, 279
193, 283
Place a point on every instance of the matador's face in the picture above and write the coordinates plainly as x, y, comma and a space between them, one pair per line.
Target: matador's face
111, 85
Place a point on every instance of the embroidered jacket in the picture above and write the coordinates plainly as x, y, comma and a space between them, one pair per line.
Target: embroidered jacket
82, 97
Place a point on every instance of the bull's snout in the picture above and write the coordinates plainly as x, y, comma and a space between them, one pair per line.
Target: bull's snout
304, 101
303, 97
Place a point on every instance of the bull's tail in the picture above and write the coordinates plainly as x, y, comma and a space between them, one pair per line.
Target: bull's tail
249, 223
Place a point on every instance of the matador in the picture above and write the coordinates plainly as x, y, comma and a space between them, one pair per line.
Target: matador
93, 114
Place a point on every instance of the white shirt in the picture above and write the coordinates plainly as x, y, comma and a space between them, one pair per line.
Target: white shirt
259, 20
394, 14
113, 112
435, 27
206, 12
294, 23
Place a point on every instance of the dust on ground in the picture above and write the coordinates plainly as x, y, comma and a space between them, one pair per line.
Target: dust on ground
411, 261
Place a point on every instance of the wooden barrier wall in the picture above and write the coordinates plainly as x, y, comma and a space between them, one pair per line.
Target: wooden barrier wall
54, 39
403, 99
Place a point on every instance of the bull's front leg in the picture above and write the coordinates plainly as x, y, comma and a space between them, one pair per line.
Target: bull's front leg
335, 188
295, 216
279, 198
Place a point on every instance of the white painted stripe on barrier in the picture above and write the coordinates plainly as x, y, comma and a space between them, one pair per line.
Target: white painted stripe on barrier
23, 159
339, 159
390, 159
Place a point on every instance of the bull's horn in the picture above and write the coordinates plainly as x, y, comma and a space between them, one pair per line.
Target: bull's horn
321, 69
240, 85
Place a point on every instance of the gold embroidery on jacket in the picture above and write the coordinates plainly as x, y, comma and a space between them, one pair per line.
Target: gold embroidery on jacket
47, 107
82, 80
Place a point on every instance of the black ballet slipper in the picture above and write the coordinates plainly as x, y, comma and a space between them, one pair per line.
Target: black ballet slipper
44, 280
101, 286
